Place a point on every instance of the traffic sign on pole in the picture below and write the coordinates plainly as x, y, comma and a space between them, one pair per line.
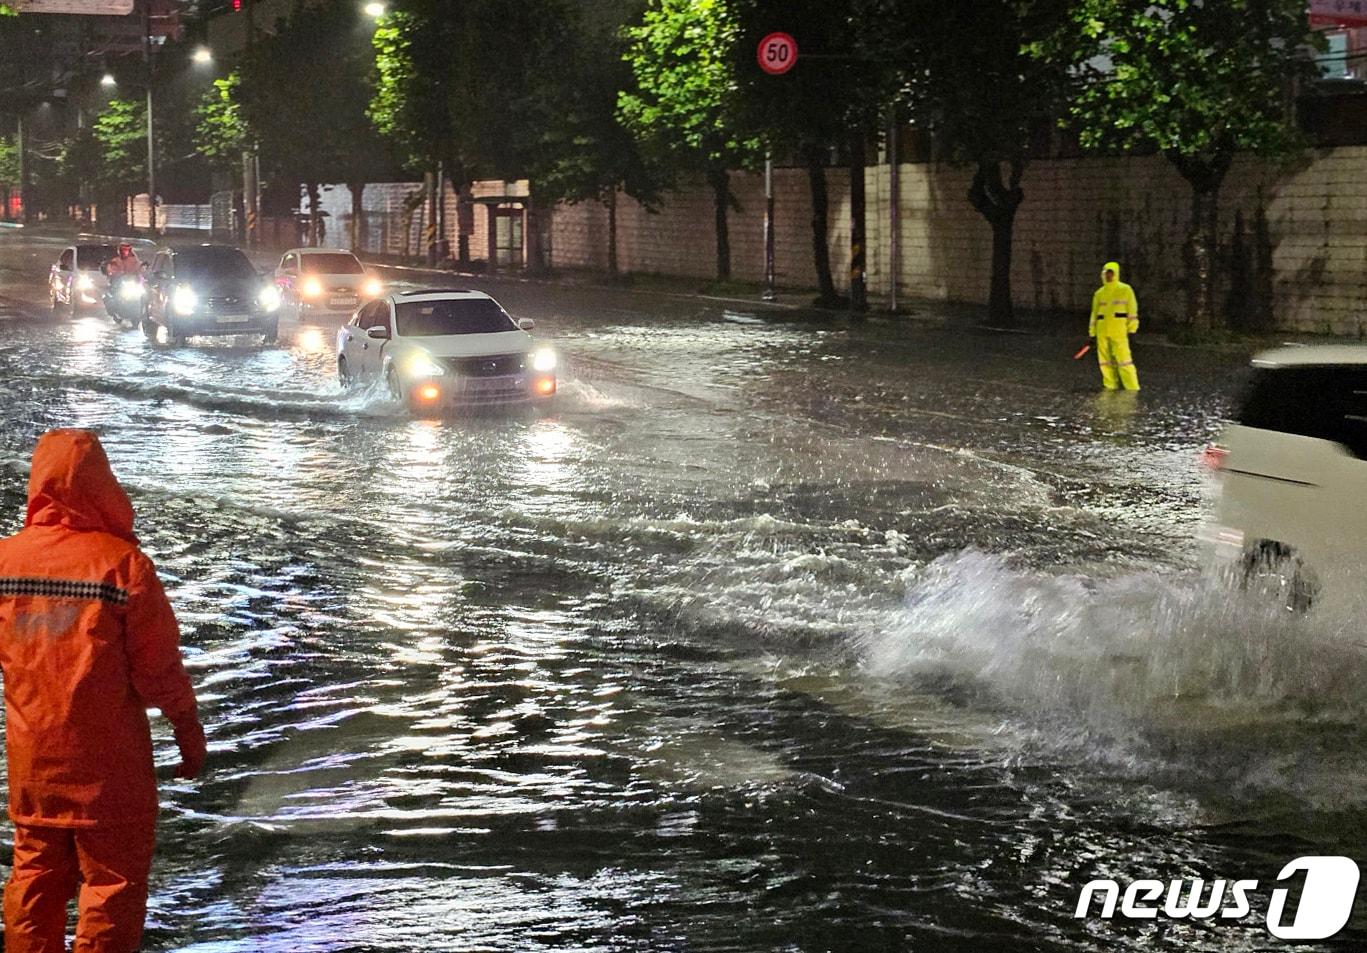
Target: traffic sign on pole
777, 53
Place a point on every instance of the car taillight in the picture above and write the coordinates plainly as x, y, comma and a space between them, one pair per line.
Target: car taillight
1213, 457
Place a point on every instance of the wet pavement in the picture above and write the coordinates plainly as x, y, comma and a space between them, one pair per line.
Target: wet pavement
775, 633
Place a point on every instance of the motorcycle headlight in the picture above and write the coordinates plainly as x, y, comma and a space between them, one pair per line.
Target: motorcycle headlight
424, 366
311, 287
543, 361
184, 300
85, 283
373, 288
269, 298
131, 290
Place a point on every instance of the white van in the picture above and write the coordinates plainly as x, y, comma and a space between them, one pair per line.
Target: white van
1293, 504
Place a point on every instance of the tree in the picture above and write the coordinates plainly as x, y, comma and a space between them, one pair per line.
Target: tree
461, 84
1198, 81
585, 153
221, 134
683, 107
9, 160
120, 132
834, 100
302, 94
977, 76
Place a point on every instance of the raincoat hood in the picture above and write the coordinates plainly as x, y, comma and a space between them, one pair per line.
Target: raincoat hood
1110, 266
72, 485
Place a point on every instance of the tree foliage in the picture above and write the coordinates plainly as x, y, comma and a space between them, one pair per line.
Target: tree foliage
120, 133
221, 134
302, 94
9, 159
465, 84
1197, 81
683, 106
684, 102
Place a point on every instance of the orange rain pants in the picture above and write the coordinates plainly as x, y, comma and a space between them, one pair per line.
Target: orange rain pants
111, 865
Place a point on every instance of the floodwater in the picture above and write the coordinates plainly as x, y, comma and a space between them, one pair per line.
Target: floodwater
776, 633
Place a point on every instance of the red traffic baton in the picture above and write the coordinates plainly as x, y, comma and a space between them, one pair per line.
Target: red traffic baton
1082, 352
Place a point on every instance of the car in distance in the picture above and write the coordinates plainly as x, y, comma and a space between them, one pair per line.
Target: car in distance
444, 348
317, 281
75, 281
196, 290
1293, 471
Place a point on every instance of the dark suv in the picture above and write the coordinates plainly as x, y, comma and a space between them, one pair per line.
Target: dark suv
198, 290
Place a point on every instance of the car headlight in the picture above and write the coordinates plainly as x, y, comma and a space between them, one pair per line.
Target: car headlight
543, 361
131, 290
269, 298
373, 288
85, 283
311, 288
424, 366
184, 300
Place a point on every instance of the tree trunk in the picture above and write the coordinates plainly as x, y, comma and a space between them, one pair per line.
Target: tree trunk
859, 302
720, 180
314, 199
1205, 175
821, 224
997, 202
611, 203
357, 190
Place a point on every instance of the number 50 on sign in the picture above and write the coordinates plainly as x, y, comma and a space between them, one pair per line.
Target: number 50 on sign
777, 53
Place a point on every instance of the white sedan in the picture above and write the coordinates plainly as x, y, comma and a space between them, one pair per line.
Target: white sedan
316, 281
443, 348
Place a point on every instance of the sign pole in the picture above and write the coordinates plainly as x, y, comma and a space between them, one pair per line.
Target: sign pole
770, 294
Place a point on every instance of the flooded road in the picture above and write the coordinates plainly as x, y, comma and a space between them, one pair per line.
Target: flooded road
775, 633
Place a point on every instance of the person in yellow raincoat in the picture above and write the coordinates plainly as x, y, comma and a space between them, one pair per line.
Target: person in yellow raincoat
1115, 316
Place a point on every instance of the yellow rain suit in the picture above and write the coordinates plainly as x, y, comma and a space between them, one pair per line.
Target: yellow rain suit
1115, 316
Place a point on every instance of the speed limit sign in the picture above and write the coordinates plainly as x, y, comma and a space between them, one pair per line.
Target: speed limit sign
777, 53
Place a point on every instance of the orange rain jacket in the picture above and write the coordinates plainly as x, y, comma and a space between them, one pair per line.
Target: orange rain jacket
88, 642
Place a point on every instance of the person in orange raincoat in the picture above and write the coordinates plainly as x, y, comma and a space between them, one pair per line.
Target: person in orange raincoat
88, 643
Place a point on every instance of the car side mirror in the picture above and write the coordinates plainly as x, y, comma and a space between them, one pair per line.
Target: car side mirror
526, 324
377, 331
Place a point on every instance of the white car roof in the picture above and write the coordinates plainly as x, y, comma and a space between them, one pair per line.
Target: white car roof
319, 251
1315, 354
438, 294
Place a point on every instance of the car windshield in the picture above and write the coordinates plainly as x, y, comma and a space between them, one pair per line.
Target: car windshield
93, 256
213, 262
331, 264
452, 316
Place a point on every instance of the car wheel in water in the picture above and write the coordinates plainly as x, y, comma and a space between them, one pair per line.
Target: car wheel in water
271, 334
391, 381
149, 329
344, 373
1277, 570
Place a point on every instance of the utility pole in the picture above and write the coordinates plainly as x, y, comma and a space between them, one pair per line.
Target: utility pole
151, 128
24, 170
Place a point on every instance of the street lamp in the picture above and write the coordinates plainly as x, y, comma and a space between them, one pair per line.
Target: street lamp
203, 56
374, 10
108, 80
